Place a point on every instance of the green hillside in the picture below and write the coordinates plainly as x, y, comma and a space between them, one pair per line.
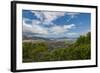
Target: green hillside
39, 52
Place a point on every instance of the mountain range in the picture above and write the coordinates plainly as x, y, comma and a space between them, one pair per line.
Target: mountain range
45, 38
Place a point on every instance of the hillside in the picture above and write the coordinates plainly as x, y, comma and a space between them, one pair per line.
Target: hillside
58, 50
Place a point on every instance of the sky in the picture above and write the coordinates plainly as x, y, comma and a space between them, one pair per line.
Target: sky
53, 24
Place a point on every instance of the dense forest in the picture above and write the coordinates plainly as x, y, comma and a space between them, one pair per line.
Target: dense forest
40, 52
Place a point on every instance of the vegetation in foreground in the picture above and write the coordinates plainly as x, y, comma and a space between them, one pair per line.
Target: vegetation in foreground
40, 52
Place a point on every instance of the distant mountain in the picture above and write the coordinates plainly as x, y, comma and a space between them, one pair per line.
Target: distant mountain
34, 38
45, 38
25, 37
37, 38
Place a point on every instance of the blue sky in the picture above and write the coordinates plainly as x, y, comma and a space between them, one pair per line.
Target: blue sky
55, 24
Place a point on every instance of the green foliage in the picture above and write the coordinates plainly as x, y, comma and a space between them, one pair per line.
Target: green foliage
39, 52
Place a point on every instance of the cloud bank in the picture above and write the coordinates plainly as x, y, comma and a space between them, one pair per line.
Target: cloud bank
44, 24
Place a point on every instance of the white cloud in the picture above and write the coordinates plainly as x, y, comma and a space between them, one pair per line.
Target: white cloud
39, 29
38, 14
34, 27
36, 22
69, 26
57, 29
61, 29
72, 34
48, 17
26, 27
72, 15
